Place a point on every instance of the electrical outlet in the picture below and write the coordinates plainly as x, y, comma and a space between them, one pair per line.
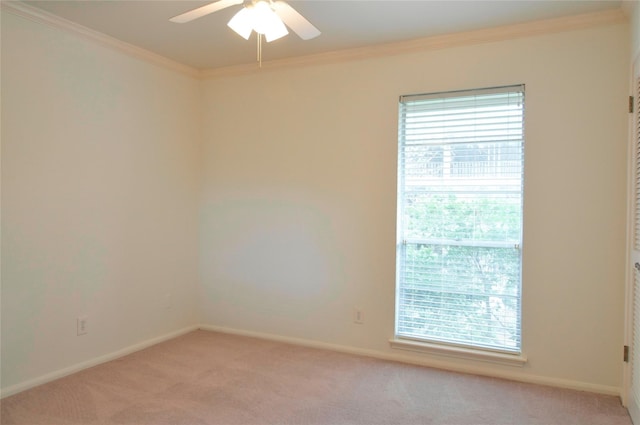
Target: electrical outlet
167, 300
358, 316
82, 325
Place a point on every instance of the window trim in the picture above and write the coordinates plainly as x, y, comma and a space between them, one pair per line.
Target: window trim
443, 347
459, 352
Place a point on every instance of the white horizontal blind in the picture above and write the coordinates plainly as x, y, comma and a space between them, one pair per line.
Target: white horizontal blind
460, 218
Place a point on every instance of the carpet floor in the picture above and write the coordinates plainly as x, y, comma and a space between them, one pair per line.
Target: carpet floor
212, 378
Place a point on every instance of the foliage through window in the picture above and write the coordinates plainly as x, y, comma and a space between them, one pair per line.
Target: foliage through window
460, 218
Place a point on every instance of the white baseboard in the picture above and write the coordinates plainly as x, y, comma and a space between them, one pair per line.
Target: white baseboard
430, 361
514, 375
14, 389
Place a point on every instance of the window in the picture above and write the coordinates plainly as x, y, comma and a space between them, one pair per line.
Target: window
460, 218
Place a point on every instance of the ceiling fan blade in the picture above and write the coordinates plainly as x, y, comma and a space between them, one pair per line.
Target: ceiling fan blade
204, 10
295, 21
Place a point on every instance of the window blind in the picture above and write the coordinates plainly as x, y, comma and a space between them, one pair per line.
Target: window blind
460, 217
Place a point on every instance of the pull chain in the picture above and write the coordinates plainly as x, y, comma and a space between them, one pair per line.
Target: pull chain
259, 49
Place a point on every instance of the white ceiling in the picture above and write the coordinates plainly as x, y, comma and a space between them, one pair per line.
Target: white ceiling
208, 43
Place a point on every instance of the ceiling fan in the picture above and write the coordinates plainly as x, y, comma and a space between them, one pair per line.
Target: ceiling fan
265, 17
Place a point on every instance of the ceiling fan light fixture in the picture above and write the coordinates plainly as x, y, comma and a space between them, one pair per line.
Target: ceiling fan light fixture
242, 23
258, 17
275, 30
267, 22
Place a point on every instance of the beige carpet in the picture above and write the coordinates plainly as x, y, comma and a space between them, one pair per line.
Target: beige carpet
212, 378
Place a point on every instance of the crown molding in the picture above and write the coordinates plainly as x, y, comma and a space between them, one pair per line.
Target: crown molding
609, 17
42, 17
488, 35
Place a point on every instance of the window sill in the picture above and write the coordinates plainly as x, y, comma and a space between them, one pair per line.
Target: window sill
458, 352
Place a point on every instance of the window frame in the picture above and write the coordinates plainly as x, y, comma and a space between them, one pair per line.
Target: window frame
442, 346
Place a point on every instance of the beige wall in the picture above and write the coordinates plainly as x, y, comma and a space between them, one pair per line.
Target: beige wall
100, 186
633, 9
298, 223
102, 172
